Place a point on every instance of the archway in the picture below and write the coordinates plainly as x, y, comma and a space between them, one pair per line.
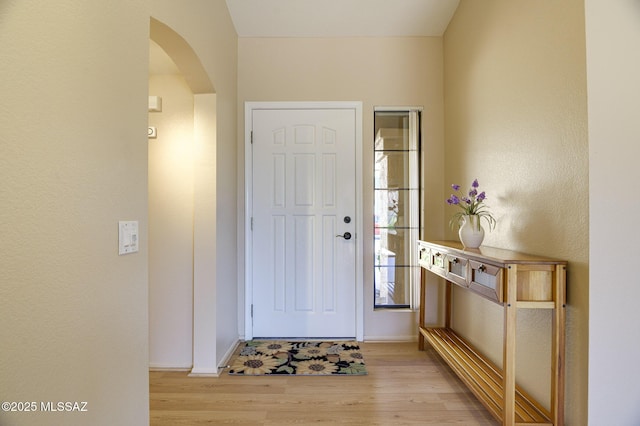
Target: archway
202, 170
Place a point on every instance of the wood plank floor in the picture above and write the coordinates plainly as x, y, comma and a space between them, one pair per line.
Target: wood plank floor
404, 387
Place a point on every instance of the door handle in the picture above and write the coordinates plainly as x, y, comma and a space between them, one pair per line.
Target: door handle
346, 235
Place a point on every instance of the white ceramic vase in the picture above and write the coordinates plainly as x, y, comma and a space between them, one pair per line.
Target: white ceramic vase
471, 232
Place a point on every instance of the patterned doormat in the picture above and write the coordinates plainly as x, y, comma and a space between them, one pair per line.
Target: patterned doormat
274, 357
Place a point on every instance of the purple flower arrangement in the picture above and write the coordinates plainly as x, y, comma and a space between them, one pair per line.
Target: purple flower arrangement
470, 204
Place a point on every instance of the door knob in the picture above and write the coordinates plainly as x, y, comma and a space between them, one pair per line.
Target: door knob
346, 235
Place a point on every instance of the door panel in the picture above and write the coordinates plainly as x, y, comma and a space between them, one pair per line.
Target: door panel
303, 273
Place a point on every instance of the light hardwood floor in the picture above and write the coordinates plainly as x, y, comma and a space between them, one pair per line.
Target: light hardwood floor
404, 387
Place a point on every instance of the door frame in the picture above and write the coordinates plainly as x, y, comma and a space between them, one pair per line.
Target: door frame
249, 107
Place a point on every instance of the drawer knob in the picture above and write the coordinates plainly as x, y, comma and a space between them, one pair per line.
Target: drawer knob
482, 268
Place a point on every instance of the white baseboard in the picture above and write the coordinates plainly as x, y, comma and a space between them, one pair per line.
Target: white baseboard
203, 373
154, 368
158, 367
221, 366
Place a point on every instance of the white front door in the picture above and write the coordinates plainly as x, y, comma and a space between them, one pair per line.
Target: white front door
303, 237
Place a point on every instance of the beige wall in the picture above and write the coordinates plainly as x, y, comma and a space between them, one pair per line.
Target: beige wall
171, 212
74, 314
613, 66
376, 71
515, 114
73, 163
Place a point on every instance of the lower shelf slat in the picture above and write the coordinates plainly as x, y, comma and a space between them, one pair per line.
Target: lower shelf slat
483, 378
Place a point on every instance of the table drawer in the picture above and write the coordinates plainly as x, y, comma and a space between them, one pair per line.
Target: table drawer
457, 270
486, 280
439, 263
424, 256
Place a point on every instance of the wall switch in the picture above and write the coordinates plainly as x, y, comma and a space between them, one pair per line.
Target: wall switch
127, 237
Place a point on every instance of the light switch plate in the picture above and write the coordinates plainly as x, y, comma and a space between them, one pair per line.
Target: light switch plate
127, 236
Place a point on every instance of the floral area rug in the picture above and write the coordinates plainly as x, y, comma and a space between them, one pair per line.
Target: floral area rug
271, 357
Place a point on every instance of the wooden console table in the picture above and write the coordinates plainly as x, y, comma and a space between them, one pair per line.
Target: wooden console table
515, 281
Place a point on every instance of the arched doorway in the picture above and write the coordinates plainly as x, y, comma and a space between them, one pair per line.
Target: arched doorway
182, 214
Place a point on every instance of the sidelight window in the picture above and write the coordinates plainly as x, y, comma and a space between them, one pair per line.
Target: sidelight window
396, 206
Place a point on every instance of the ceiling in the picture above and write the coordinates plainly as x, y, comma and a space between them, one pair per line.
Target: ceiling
341, 18
327, 18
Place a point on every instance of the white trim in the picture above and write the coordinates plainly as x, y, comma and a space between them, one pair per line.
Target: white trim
224, 363
248, 208
248, 167
357, 106
192, 374
161, 368
203, 372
